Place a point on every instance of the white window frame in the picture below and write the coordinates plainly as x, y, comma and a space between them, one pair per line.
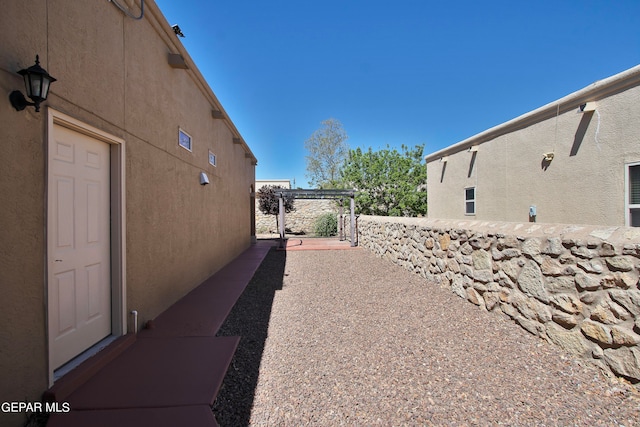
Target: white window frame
470, 200
182, 133
215, 159
627, 200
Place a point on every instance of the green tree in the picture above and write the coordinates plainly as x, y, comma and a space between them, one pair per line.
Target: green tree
269, 201
328, 150
388, 182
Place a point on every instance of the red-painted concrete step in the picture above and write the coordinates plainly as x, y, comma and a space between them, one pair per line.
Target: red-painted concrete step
202, 311
192, 416
159, 372
87, 369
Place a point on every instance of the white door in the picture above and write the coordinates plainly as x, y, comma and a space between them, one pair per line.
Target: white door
79, 261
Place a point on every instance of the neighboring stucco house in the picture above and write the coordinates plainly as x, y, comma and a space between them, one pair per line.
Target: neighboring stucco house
284, 183
574, 161
103, 206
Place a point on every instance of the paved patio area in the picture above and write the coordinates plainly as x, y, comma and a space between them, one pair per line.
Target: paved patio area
305, 243
317, 244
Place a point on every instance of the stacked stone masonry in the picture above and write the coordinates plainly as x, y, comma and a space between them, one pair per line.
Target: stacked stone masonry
302, 220
574, 286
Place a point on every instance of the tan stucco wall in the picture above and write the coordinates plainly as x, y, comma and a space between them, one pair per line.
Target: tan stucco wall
583, 184
23, 358
113, 75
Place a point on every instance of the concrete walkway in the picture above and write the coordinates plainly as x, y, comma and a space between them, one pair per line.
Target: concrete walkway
168, 375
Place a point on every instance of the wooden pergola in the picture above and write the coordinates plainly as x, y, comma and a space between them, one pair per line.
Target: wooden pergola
317, 194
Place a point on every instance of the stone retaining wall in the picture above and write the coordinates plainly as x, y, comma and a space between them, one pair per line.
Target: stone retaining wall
302, 220
575, 286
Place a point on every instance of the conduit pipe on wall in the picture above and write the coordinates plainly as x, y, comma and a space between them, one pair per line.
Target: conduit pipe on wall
126, 12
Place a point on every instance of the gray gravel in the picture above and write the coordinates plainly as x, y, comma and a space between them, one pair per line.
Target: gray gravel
344, 338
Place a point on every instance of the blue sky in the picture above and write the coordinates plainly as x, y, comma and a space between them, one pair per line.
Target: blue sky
405, 72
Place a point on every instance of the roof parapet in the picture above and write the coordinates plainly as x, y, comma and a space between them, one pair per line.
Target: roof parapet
595, 91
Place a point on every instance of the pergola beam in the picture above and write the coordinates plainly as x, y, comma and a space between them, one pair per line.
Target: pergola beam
317, 194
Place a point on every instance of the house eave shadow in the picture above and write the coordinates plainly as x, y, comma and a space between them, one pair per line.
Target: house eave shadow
580, 132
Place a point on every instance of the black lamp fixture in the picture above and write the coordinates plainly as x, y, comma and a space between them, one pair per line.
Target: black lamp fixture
36, 82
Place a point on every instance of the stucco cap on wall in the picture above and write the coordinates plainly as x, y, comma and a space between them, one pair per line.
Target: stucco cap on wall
626, 235
597, 90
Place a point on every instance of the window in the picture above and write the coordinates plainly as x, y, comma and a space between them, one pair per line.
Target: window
470, 201
633, 195
184, 139
212, 159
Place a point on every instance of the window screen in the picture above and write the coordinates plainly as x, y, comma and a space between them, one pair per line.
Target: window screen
634, 185
634, 196
470, 201
634, 217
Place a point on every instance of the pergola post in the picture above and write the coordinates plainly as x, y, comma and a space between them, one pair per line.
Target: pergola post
340, 221
353, 220
281, 222
334, 194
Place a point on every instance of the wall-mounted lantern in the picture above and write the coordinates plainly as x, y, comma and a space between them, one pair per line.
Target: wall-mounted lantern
36, 82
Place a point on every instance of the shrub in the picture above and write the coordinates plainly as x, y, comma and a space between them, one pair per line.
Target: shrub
326, 225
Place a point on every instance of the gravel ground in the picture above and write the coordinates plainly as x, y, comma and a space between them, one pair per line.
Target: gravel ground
344, 338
